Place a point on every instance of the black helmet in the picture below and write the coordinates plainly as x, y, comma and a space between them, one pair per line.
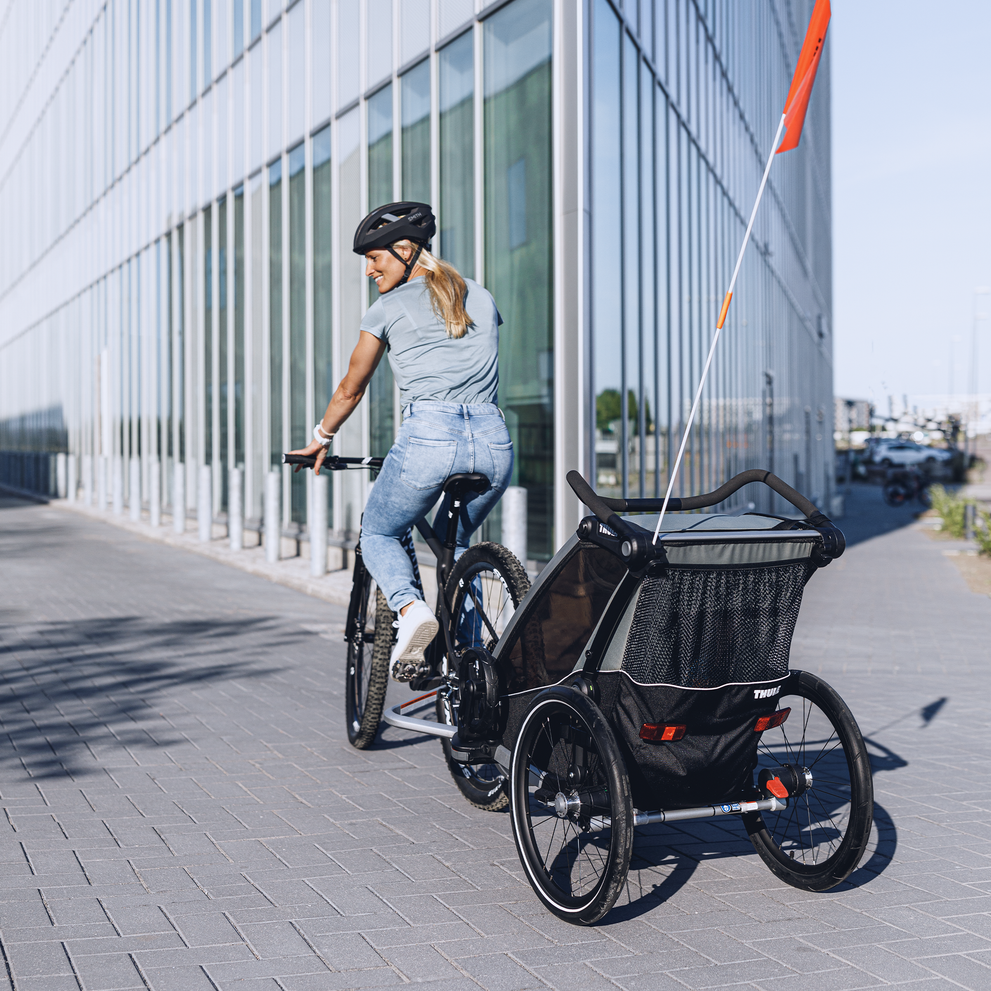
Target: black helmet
395, 222
406, 221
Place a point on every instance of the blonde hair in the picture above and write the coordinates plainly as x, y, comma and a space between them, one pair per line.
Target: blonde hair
447, 290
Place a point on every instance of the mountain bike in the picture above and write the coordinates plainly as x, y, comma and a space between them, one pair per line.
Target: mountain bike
477, 593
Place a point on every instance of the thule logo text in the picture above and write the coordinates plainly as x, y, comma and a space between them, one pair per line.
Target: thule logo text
766, 693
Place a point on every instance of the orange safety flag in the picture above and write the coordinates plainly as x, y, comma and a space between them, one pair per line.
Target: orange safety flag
805, 75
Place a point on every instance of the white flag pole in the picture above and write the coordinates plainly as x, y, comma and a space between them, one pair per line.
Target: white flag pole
719, 327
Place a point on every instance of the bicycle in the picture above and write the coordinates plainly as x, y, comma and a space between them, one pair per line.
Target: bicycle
477, 594
905, 484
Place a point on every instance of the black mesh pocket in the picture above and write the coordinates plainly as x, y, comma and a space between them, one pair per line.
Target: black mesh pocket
702, 629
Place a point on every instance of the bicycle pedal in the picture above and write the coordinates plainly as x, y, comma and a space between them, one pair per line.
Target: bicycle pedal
403, 671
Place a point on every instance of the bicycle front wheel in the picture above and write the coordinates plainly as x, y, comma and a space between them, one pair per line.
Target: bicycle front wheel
820, 838
486, 586
367, 673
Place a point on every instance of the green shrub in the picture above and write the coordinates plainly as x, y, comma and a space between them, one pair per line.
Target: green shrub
950, 507
982, 533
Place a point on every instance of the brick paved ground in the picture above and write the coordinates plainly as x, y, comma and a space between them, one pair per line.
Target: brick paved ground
182, 811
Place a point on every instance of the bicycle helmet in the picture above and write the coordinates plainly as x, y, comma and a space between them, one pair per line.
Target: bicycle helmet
405, 221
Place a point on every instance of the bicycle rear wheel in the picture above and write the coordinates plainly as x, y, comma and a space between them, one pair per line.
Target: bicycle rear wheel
820, 838
485, 587
367, 672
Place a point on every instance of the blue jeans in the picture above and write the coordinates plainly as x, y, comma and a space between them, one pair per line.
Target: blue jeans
435, 440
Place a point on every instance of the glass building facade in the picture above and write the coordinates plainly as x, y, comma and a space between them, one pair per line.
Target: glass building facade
180, 181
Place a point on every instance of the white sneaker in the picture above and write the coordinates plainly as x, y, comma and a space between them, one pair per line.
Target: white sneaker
417, 630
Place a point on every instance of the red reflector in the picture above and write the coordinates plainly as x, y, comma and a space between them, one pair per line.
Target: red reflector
770, 722
661, 732
776, 788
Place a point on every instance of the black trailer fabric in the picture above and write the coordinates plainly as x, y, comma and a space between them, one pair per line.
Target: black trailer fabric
715, 760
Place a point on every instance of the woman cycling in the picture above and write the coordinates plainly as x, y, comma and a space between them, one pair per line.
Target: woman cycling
442, 334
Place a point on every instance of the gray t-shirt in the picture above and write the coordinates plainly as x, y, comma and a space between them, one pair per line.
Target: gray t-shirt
426, 362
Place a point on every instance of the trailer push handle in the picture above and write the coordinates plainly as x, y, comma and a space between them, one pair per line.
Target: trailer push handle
606, 510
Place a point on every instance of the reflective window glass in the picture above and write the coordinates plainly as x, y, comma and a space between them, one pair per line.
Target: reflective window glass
457, 154
518, 244
299, 432
415, 111
606, 245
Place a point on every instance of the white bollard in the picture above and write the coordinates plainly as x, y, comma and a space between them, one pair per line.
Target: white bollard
179, 497
102, 484
317, 524
273, 515
117, 485
514, 521
134, 500
204, 504
155, 493
71, 477
61, 479
88, 486
235, 508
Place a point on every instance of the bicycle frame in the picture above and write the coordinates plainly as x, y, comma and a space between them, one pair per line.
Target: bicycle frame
443, 551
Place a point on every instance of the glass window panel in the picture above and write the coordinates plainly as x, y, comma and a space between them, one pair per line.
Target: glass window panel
648, 288
238, 39
320, 60
457, 154
351, 440
322, 275
207, 42
348, 50
220, 101
275, 90
256, 18
452, 14
275, 311
414, 34
381, 392
631, 269
223, 353
662, 296
380, 148
258, 442
239, 304
379, 52
606, 250
518, 247
221, 36
256, 97
208, 337
296, 104
416, 133
299, 433
192, 50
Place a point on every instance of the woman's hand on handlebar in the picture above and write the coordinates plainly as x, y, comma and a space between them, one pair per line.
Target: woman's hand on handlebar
312, 448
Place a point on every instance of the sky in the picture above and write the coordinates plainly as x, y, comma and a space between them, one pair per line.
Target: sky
911, 139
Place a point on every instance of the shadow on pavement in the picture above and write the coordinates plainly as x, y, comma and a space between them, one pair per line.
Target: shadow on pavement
75, 696
866, 515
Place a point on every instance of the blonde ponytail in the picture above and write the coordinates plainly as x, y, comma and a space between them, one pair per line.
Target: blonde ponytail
447, 291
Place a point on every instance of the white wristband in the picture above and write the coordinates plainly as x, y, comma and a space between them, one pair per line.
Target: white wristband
323, 439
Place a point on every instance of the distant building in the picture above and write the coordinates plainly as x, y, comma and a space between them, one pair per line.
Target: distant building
851, 414
180, 182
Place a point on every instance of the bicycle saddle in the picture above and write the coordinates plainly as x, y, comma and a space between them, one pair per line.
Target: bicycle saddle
469, 481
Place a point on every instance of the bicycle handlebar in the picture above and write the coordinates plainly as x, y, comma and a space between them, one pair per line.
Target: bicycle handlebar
332, 462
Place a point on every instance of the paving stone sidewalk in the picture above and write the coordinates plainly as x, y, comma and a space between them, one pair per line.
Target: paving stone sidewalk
182, 810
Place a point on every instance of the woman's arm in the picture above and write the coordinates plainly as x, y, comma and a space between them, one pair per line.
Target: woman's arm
364, 360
